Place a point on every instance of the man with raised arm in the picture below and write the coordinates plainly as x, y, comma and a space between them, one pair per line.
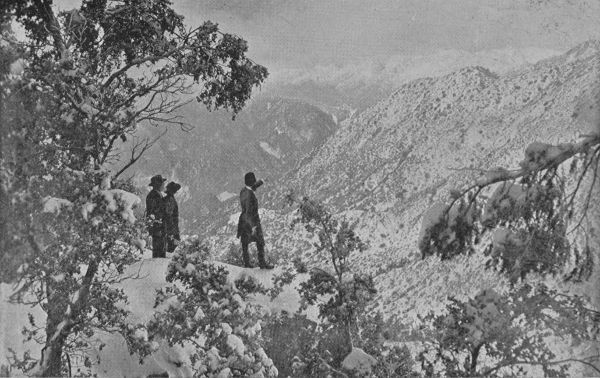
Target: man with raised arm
249, 228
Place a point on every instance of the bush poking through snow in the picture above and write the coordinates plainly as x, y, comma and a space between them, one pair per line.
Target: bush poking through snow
339, 293
208, 314
233, 255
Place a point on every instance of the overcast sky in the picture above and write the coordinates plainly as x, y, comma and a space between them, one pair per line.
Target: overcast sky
305, 33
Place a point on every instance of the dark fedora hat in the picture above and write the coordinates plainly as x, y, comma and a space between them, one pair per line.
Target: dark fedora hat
157, 180
249, 179
173, 187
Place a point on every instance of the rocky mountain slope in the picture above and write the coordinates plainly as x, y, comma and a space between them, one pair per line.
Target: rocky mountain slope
387, 166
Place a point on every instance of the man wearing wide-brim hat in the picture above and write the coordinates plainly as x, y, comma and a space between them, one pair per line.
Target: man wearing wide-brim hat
249, 228
155, 215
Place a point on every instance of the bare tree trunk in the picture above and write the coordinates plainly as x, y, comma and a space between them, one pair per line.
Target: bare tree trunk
474, 357
3, 208
50, 364
57, 329
4, 188
347, 335
61, 316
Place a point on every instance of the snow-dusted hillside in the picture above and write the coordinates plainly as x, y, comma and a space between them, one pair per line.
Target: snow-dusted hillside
396, 159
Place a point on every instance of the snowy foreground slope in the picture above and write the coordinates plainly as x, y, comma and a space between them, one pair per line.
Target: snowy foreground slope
113, 359
387, 166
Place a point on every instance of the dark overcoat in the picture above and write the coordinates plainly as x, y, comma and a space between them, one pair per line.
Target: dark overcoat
249, 217
155, 213
171, 216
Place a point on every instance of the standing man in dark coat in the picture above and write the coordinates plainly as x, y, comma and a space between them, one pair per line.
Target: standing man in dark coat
171, 216
249, 228
155, 215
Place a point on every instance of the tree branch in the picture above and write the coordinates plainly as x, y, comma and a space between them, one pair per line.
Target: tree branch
134, 158
505, 175
589, 194
137, 62
45, 9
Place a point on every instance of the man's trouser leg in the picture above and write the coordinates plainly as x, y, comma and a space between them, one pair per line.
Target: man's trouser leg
245, 255
158, 246
260, 246
171, 244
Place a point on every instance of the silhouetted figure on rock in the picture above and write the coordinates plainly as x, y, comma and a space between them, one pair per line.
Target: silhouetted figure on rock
155, 215
172, 216
249, 228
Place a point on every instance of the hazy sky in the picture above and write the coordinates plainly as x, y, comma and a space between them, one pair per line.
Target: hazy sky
305, 33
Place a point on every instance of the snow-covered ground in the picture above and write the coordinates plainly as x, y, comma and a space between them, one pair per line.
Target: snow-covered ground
114, 360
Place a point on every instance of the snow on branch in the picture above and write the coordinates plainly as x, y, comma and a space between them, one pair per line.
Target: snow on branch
538, 157
450, 227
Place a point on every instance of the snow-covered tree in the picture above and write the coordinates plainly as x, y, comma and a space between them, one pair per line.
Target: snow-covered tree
339, 293
496, 334
535, 219
210, 315
534, 224
81, 243
81, 81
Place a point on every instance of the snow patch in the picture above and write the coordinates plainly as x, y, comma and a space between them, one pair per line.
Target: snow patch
226, 328
236, 344
86, 209
141, 334
270, 150
127, 201
17, 67
359, 362
541, 154
199, 315
224, 196
55, 205
140, 243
